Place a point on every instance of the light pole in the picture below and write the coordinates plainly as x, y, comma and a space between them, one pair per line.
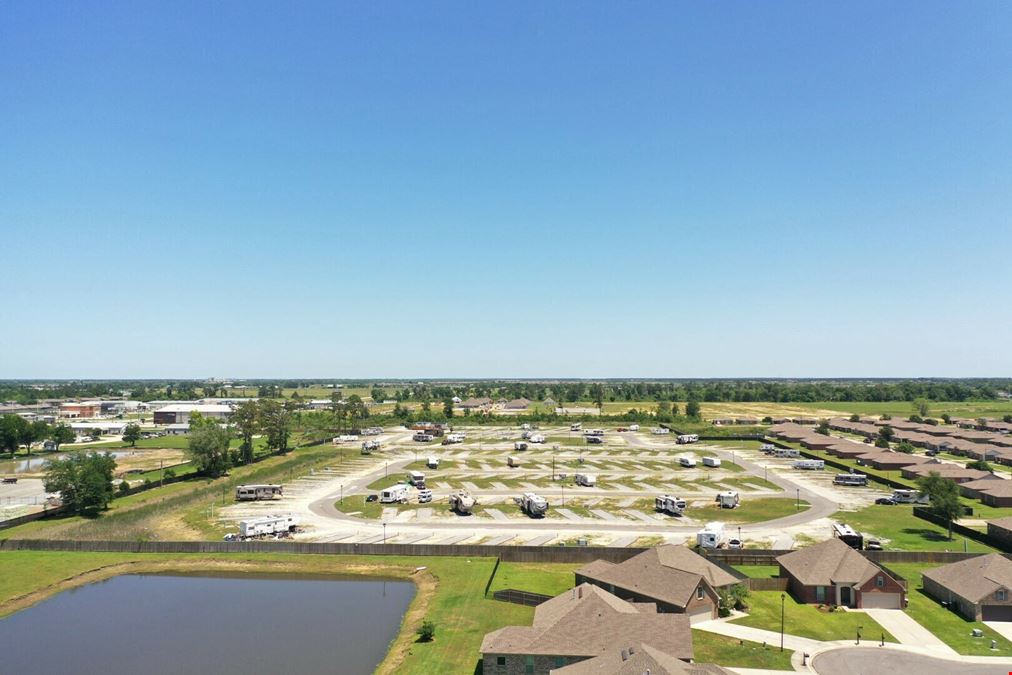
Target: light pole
798, 503
783, 597
385, 541
342, 493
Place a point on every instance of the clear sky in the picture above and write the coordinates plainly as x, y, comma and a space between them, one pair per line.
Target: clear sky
427, 189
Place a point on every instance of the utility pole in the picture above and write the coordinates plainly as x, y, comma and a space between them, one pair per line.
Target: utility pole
783, 597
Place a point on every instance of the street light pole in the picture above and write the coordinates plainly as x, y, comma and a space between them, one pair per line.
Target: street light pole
783, 597
342, 493
385, 541
798, 503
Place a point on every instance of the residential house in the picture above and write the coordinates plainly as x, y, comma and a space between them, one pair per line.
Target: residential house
518, 404
997, 493
978, 588
833, 573
1001, 529
638, 659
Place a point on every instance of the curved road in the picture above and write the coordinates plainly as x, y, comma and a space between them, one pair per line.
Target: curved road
876, 660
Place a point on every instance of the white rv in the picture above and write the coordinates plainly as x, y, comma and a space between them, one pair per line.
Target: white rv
909, 497
585, 479
711, 536
520, 445
451, 439
671, 505
810, 464
268, 526
416, 478
634, 427
786, 452
712, 462
394, 493
850, 479
344, 438
687, 461
533, 505
767, 448
422, 437
536, 438
660, 431
245, 493
576, 426
683, 439
432, 462
727, 499
369, 446
513, 461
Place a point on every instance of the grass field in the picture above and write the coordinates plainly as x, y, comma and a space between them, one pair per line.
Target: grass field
728, 651
948, 626
807, 620
751, 510
758, 571
904, 531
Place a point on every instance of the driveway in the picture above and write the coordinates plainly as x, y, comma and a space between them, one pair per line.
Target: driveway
1003, 628
876, 660
909, 632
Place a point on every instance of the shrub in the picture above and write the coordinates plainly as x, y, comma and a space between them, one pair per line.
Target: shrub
124, 488
170, 473
427, 631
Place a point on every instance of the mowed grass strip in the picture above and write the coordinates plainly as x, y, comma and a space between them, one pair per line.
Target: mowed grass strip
808, 620
899, 529
735, 653
750, 510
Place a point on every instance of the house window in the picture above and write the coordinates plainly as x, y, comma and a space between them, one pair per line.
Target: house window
699, 593
500, 660
880, 581
820, 593
1001, 596
560, 661
529, 665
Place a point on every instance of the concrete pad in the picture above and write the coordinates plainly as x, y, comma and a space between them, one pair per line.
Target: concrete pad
540, 541
500, 486
470, 486
423, 514
413, 538
454, 539
496, 514
389, 513
624, 541
604, 514
783, 542
639, 514
499, 541
569, 515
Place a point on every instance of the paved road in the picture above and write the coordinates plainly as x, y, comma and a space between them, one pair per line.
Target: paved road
876, 660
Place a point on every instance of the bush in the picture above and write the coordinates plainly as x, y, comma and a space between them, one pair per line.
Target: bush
170, 473
124, 488
767, 420
427, 631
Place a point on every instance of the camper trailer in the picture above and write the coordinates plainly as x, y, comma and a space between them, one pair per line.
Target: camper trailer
422, 437
451, 439
585, 479
711, 536
533, 505
848, 536
685, 439
513, 461
248, 493
432, 462
786, 452
767, 448
671, 505
660, 431
634, 427
687, 462
394, 493
462, 502
576, 426
536, 438
372, 431
728, 499
520, 445
595, 440
594, 432
850, 479
368, 447
711, 462
417, 478
344, 438
909, 497
810, 464
268, 526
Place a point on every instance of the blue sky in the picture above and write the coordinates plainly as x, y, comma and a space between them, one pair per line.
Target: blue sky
505, 189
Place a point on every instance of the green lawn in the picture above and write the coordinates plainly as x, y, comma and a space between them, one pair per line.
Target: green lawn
544, 578
948, 626
807, 620
902, 531
758, 571
729, 651
750, 510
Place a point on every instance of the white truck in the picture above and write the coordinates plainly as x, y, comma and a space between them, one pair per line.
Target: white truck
533, 505
368, 447
810, 464
394, 494
585, 479
712, 462
668, 504
687, 461
416, 479
711, 536
267, 526
684, 439
728, 499
246, 493
909, 497
462, 502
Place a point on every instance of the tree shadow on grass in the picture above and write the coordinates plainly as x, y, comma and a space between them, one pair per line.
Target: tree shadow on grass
926, 534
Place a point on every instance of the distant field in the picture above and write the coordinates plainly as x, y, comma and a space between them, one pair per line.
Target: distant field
993, 408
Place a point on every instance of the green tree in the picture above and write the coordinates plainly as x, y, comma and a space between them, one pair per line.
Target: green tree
905, 447
597, 394
947, 418
246, 420
427, 631
84, 480
823, 428
855, 418
692, 409
60, 434
275, 421
132, 434
448, 408
207, 446
921, 407
378, 395
885, 435
13, 428
980, 465
944, 496
730, 598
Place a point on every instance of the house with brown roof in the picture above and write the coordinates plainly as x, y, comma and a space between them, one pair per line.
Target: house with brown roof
1001, 530
474, 403
891, 461
833, 573
675, 578
996, 493
637, 660
954, 472
979, 588
580, 624
518, 404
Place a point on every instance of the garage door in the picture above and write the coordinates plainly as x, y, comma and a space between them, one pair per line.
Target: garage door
997, 612
697, 614
881, 601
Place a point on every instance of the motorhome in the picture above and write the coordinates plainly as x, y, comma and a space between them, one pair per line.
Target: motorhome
585, 479
422, 437
594, 432
660, 431
634, 427
533, 505
687, 461
909, 497
451, 439
850, 479
416, 478
368, 447
728, 499
432, 462
462, 502
684, 439
372, 431
246, 493
520, 445
344, 438
848, 536
536, 438
267, 526
576, 426
595, 440
711, 536
525, 426
786, 452
810, 464
668, 504
711, 461
394, 493
767, 448
513, 461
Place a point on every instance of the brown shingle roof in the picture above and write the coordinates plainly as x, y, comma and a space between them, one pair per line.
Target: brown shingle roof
637, 660
589, 621
976, 578
665, 573
827, 563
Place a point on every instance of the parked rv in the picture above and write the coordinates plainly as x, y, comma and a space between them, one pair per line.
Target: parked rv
432, 462
394, 493
462, 502
712, 462
344, 438
513, 461
848, 536
634, 427
536, 438
668, 504
711, 536
245, 493
533, 505
422, 437
269, 526
594, 432
595, 440
810, 464
416, 479
368, 447
786, 452
585, 479
576, 426
451, 439
520, 445
687, 461
684, 439
372, 431
767, 448
909, 497
850, 479
660, 431
728, 499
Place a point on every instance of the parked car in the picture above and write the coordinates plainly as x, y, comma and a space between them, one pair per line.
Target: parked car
931, 453
734, 543
372, 498
886, 501
872, 545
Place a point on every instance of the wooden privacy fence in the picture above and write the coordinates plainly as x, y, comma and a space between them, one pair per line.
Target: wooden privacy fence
521, 597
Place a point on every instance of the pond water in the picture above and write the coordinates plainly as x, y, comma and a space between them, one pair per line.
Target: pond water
208, 624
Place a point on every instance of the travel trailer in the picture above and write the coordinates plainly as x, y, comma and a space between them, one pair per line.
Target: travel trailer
728, 499
668, 504
267, 526
416, 478
247, 493
394, 493
684, 439
462, 502
711, 536
533, 505
712, 462
810, 464
432, 462
850, 479
687, 461
585, 479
